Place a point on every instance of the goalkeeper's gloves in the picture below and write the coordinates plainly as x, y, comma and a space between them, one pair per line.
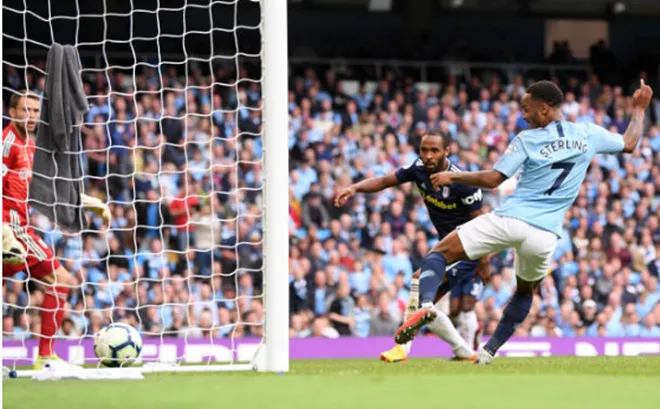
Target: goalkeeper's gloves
97, 207
13, 251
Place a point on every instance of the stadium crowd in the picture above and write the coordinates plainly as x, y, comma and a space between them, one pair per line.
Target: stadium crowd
182, 170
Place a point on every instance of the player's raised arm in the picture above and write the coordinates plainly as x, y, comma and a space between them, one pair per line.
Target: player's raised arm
641, 99
370, 185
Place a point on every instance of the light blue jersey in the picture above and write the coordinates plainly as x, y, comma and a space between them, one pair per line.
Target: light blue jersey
555, 160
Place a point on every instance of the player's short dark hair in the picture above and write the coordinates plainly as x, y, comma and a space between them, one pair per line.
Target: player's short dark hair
446, 139
16, 97
546, 91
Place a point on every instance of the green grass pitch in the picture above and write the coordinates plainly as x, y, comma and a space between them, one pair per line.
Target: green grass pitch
529, 383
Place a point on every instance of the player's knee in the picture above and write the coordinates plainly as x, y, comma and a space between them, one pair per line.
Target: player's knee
451, 248
526, 287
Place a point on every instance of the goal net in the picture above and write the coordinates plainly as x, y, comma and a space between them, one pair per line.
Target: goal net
185, 138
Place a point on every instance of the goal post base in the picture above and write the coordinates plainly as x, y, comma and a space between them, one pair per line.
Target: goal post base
259, 363
115, 373
259, 360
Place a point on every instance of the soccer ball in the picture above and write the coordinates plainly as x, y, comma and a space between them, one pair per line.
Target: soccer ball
117, 345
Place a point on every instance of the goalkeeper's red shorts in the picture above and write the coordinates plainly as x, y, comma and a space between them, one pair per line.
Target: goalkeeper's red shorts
40, 262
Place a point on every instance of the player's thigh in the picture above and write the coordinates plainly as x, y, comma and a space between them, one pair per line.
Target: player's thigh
59, 277
40, 263
467, 303
484, 235
458, 274
534, 254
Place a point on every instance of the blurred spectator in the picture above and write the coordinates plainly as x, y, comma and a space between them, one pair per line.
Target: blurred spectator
341, 311
382, 321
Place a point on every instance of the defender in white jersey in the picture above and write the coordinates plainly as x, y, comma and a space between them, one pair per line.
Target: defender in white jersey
554, 156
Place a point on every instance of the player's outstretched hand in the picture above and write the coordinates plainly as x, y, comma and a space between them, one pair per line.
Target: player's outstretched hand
642, 97
441, 179
344, 195
13, 251
97, 207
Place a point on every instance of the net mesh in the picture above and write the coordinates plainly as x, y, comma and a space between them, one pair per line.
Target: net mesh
172, 141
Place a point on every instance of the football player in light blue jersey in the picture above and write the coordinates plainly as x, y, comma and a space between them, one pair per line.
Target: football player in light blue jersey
554, 156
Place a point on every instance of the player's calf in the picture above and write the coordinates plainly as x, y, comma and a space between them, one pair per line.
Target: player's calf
469, 323
443, 328
53, 309
514, 314
448, 251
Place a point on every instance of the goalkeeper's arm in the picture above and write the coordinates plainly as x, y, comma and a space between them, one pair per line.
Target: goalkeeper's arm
13, 251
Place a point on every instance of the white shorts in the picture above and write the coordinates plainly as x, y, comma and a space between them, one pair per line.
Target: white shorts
490, 233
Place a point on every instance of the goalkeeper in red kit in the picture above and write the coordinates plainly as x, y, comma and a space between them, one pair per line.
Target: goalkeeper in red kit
22, 248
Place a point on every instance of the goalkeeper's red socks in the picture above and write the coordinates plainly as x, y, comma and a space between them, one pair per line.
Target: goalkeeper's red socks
51, 317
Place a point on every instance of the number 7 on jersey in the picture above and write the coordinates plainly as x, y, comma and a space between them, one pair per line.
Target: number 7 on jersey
566, 168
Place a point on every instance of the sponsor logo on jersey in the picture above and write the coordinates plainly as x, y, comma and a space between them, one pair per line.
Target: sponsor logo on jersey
473, 198
437, 203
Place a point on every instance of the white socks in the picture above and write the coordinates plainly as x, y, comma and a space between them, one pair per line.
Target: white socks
468, 325
443, 328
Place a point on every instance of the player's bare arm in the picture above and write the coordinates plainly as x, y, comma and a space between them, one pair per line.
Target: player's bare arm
641, 99
484, 179
370, 185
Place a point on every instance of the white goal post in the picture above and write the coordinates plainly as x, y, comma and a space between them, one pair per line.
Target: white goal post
221, 347
276, 121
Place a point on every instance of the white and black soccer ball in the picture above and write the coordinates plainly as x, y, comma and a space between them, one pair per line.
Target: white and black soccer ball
118, 345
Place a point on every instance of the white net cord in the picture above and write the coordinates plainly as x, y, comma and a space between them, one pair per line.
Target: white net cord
174, 143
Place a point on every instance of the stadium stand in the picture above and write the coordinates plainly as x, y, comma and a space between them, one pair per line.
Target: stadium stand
357, 260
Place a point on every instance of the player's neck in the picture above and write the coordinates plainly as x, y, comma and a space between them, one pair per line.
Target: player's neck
444, 166
556, 117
